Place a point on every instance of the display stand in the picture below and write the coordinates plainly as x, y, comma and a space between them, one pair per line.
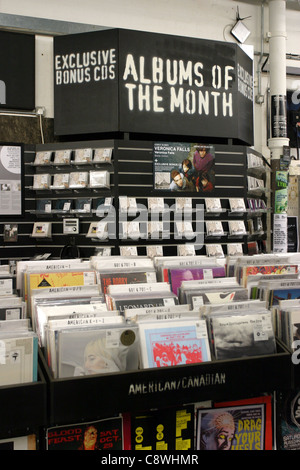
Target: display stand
77, 399
24, 407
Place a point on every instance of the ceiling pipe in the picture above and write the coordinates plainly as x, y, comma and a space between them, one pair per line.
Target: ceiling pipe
278, 118
277, 61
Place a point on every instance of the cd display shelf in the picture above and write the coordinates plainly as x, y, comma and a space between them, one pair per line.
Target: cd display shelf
71, 400
132, 174
24, 407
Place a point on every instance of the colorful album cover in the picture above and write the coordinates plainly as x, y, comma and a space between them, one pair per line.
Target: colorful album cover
176, 276
241, 425
184, 167
171, 343
105, 434
288, 420
163, 429
108, 279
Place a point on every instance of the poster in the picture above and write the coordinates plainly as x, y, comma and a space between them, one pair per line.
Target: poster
10, 180
184, 167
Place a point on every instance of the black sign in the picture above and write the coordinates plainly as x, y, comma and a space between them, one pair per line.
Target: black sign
17, 71
139, 82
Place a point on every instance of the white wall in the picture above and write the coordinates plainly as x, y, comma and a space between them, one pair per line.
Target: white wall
210, 19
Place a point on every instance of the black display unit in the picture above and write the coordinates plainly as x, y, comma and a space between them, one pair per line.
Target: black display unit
79, 399
24, 407
145, 83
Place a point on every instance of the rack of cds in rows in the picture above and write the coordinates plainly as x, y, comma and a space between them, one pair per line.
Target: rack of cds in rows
137, 313
70, 183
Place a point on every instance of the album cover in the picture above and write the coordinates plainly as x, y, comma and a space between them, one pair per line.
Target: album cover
42, 229
176, 276
288, 419
98, 230
83, 205
267, 269
237, 204
163, 430
123, 303
79, 179
288, 291
90, 351
10, 232
103, 155
123, 277
237, 227
183, 204
236, 336
63, 205
60, 181
170, 343
62, 278
104, 434
11, 311
42, 181
186, 250
62, 157
19, 358
213, 204
99, 179
44, 205
156, 204
184, 167
236, 427
43, 158
214, 228
154, 250
83, 155
128, 251
214, 250
217, 297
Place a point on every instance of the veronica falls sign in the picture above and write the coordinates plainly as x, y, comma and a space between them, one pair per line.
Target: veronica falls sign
139, 82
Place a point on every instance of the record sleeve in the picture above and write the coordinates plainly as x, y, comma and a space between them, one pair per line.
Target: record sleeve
60, 181
19, 443
103, 155
287, 419
83, 205
62, 157
176, 276
213, 204
166, 429
41, 181
214, 228
43, 158
236, 336
79, 179
104, 434
235, 427
10, 232
170, 343
99, 179
63, 205
42, 229
83, 155
18, 358
101, 350
44, 205
141, 301
122, 277
237, 205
